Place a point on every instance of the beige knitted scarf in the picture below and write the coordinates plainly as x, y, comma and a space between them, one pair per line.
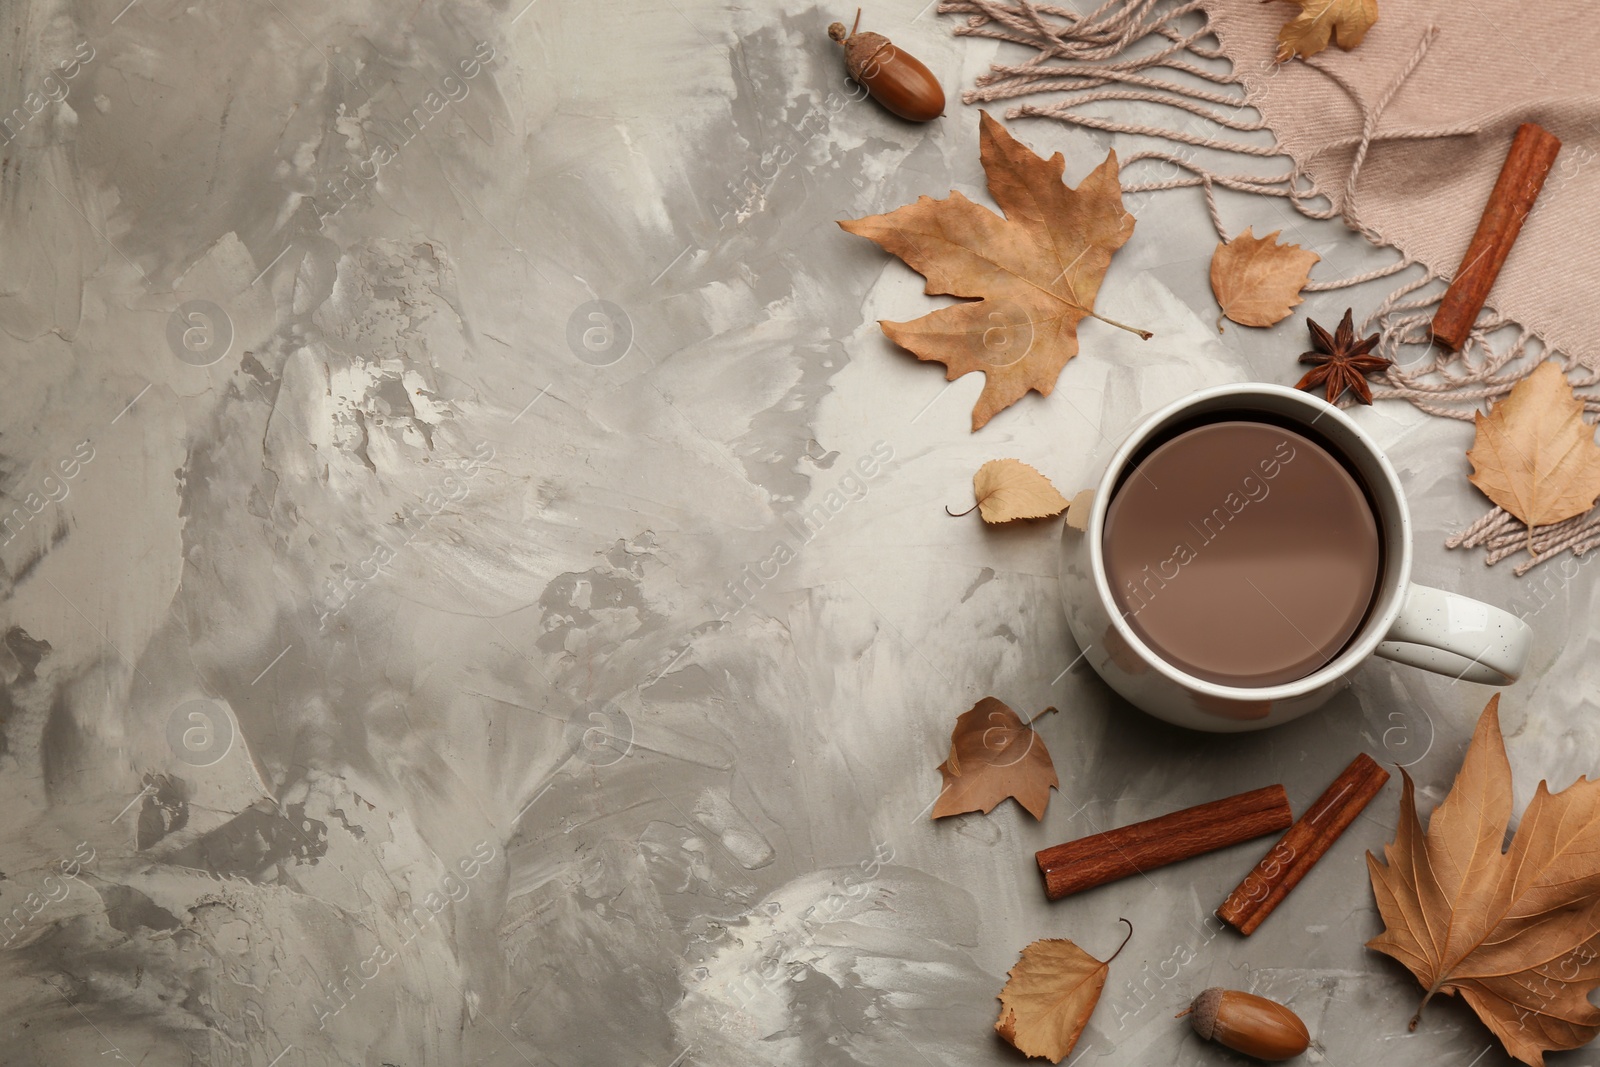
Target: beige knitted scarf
1401, 139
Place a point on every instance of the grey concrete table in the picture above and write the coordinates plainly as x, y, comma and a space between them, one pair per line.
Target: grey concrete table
477, 584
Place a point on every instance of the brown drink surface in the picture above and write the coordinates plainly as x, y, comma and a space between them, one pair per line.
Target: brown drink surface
1242, 553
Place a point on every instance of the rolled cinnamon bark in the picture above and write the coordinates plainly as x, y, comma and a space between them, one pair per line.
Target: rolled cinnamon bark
1144, 846
1533, 151
1281, 869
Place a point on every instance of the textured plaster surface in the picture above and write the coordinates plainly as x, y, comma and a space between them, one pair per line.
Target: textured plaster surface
476, 586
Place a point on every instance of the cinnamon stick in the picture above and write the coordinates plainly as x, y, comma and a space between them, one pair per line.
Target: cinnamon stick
1281, 869
1144, 846
1533, 152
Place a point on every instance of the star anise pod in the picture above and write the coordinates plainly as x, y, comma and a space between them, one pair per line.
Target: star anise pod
1341, 361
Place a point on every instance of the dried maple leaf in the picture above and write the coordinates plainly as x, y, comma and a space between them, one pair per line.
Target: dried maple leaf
1049, 996
1534, 455
1516, 933
994, 755
1035, 272
1256, 280
1341, 362
1345, 21
1009, 489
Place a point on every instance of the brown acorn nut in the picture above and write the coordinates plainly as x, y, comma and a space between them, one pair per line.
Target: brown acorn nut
1249, 1024
895, 79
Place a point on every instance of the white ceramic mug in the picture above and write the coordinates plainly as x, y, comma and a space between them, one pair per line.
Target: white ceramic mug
1414, 624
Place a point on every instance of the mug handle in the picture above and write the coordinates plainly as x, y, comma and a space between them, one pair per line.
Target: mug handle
1454, 635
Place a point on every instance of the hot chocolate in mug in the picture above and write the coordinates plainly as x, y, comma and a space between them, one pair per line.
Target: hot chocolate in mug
1117, 614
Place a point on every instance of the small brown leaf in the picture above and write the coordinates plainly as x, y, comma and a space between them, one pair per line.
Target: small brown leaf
1344, 21
1534, 455
1049, 996
1009, 489
1256, 280
994, 755
1078, 510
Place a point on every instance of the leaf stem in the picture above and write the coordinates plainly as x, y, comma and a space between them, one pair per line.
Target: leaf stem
958, 514
1417, 1018
1125, 940
1144, 334
1039, 716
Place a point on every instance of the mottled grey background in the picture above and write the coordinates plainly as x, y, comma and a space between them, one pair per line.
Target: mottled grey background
375, 690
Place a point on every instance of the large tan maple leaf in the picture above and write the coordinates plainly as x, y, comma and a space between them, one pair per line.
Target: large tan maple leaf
1515, 933
1034, 274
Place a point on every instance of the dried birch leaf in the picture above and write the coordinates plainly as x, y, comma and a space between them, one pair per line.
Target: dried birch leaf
1534, 455
1034, 274
1049, 996
1515, 933
1257, 281
1344, 21
994, 755
1078, 510
1009, 489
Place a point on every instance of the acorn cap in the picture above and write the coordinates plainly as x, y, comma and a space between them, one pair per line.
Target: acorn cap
859, 48
1204, 1012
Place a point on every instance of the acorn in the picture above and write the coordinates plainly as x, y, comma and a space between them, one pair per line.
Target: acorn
894, 79
1249, 1024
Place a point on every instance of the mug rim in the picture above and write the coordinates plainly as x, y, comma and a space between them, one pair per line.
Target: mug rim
1396, 577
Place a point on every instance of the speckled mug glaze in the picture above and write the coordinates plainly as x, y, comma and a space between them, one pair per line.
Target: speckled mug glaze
1413, 624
